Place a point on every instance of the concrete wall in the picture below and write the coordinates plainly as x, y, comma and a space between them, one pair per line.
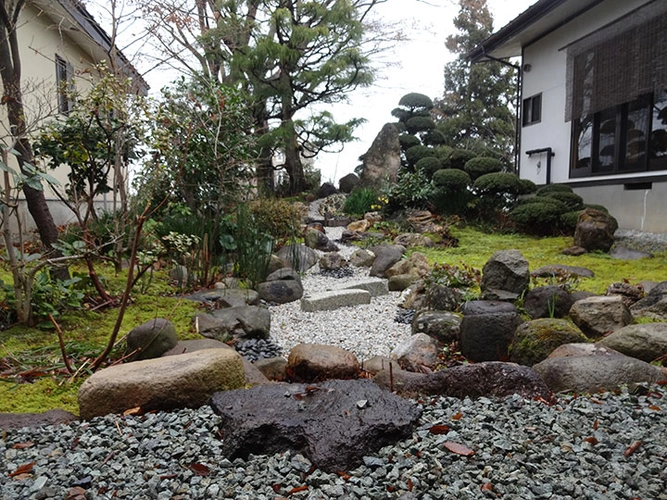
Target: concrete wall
547, 75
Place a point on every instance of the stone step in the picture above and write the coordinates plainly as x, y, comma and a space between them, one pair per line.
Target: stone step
334, 299
376, 287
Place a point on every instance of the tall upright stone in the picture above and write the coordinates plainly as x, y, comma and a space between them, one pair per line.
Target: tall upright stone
383, 160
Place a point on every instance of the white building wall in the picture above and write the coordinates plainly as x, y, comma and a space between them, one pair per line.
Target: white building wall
634, 209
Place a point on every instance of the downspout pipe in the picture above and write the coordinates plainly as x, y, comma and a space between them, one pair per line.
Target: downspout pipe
549, 153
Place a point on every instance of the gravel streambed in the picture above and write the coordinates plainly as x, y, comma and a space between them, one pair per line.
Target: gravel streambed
519, 449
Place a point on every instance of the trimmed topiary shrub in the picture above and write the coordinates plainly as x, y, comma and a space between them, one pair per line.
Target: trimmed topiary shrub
560, 206
416, 100
416, 153
429, 166
572, 200
408, 140
602, 208
568, 221
400, 114
540, 218
460, 157
434, 138
419, 124
498, 183
452, 179
476, 167
527, 186
552, 188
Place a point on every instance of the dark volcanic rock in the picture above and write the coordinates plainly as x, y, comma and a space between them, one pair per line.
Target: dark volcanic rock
334, 424
490, 379
52, 417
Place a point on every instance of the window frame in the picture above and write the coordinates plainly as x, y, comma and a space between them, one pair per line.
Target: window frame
529, 106
64, 85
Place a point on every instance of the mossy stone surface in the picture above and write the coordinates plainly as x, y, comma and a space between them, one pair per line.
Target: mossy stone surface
535, 340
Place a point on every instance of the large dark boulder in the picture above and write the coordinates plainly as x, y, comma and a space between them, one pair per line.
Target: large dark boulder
595, 230
491, 379
334, 424
347, 183
326, 189
151, 339
300, 257
487, 329
281, 287
547, 302
245, 322
505, 276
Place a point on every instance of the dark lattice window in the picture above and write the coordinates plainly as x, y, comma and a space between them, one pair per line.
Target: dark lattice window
65, 85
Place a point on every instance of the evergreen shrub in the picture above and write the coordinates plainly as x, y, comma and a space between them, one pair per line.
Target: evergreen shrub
476, 167
429, 166
539, 218
572, 200
419, 124
552, 188
459, 157
408, 140
416, 153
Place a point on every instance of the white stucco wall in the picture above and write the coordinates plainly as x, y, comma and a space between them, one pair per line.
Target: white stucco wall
635, 209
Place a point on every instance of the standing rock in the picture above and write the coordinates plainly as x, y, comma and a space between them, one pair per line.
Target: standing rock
443, 326
319, 241
347, 183
385, 257
599, 315
151, 339
382, 161
647, 342
595, 230
300, 257
334, 424
332, 261
416, 265
442, 298
505, 276
418, 353
547, 302
535, 340
487, 329
281, 287
315, 362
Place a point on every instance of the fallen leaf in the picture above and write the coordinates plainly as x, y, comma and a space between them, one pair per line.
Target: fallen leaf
654, 408
23, 446
595, 424
662, 382
458, 416
410, 485
168, 476
439, 429
297, 490
596, 401
342, 474
391, 488
276, 487
487, 487
23, 469
591, 440
132, 411
632, 448
200, 469
458, 448
76, 493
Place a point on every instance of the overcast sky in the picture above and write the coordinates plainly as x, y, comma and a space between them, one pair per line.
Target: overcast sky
417, 65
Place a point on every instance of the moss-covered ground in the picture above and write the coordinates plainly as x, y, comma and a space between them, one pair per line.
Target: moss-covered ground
44, 384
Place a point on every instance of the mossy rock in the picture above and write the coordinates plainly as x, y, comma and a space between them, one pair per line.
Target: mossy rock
536, 339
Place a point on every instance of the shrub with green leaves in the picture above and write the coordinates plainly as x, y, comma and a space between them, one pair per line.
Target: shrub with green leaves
412, 190
527, 186
278, 217
559, 205
434, 138
496, 192
552, 188
459, 157
408, 140
476, 167
451, 194
601, 208
415, 100
540, 218
453, 276
568, 221
429, 166
572, 200
419, 124
360, 201
416, 153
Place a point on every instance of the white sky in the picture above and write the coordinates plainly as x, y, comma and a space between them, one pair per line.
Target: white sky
417, 65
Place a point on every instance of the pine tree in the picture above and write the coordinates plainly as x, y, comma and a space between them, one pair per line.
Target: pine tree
477, 110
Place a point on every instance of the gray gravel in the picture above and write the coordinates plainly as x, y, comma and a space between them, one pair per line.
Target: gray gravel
522, 450
640, 240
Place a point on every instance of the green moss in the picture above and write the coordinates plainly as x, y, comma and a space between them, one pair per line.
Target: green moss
44, 394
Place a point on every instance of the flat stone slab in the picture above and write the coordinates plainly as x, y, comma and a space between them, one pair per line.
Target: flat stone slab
334, 424
376, 287
334, 299
562, 270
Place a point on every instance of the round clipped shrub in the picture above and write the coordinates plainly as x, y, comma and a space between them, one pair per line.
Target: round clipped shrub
559, 205
400, 114
568, 221
416, 100
416, 153
434, 138
572, 200
451, 179
444, 152
601, 208
460, 157
476, 167
538, 218
498, 183
428, 165
419, 124
408, 140
527, 186
552, 188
